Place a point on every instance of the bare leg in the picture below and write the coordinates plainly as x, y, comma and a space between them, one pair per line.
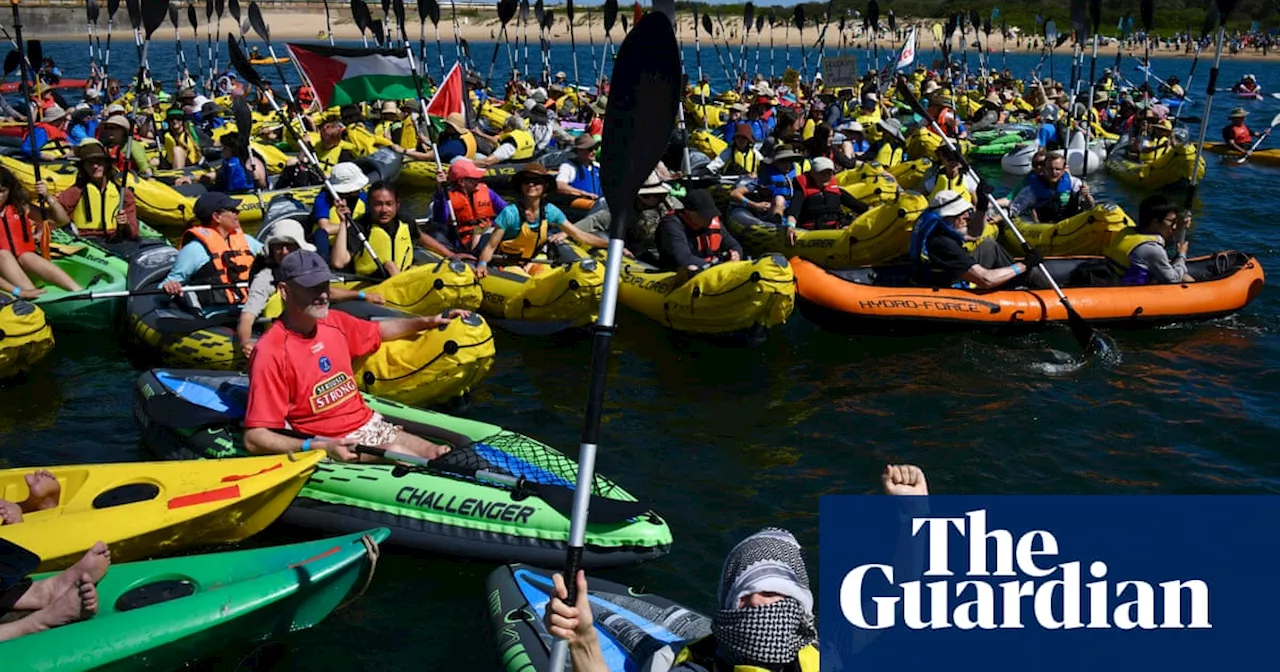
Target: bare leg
92, 567
415, 445
77, 604
46, 270
12, 271
179, 158
44, 491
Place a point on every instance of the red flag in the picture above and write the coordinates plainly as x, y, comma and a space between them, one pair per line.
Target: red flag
639, 14
448, 98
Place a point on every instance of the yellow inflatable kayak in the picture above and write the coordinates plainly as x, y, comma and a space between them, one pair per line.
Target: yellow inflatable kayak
733, 296
869, 183
544, 294
924, 144
25, 337
711, 115
707, 142
431, 286
1171, 168
910, 174
1087, 233
141, 509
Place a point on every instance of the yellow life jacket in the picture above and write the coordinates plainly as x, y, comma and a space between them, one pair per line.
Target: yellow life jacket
356, 213
366, 141
523, 142
469, 140
809, 126
888, 155
1157, 149
747, 160
702, 90
398, 132
401, 246
808, 659
1124, 242
870, 123
957, 185
96, 211
194, 154
527, 243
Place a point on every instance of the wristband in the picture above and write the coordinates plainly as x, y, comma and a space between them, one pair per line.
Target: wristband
306, 445
361, 295
1016, 270
17, 291
481, 264
789, 224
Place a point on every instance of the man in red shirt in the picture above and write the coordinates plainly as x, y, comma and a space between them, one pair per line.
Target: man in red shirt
301, 378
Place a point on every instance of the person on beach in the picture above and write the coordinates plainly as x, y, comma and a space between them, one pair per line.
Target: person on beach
765, 609
525, 228
301, 378
1139, 254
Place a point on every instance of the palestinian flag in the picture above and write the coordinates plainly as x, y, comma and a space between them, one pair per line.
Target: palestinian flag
348, 75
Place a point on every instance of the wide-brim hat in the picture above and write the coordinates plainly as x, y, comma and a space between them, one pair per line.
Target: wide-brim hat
457, 122
347, 178
538, 113
653, 185
892, 127
947, 203
118, 121
585, 141
54, 113
289, 231
787, 153
91, 150
533, 172
1238, 113
389, 107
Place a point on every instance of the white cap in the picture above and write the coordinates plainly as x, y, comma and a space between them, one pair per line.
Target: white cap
948, 203
290, 231
822, 163
199, 101
347, 178
854, 127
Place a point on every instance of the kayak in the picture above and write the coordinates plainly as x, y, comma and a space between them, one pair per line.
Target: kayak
1171, 169
1174, 103
433, 366
1087, 233
1084, 157
869, 183
631, 625
1261, 157
167, 614
422, 174
199, 413
141, 509
910, 174
268, 60
558, 292
64, 83
27, 337
1018, 161
1255, 94
923, 143
884, 298
731, 297
96, 269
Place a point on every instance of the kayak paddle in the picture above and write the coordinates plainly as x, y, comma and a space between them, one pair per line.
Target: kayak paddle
1275, 121
1224, 8
93, 296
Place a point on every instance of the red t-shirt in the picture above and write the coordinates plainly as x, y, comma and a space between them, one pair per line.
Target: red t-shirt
309, 382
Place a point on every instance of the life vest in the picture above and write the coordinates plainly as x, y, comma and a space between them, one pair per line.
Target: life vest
1053, 204
703, 654
777, 183
1119, 255
229, 262
522, 140
96, 211
947, 121
54, 138
742, 162
870, 123
17, 230
957, 184
235, 175
401, 250
471, 212
586, 178
924, 227
1241, 135
188, 143
705, 241
121, 160
469, 141
885, 153
821, 206
759, 129
356, 212
526, 243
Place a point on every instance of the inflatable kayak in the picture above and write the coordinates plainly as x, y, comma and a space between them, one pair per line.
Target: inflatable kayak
995, 151
26, 339
64, 83
142, 509
910, 174
555, 293
434, 366
198, 413
870, 183
1087, 233
1171, 169
923, 143
1018, 161
632, 625
97, 270
1255, 94
422, 175
167, 614
1083, 157
1260, 157
880, 298
728, 298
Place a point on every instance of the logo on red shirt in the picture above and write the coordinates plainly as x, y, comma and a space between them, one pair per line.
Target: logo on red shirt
332, 392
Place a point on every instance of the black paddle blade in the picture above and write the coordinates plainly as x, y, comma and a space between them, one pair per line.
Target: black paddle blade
1090, 341
568, 10
220, 7
549, 20
524, 12
798, 17
706, 24
1211, 19
257, 23
397, 10
760, 23
1062, 39
360, 14
644, 95
378, 33
35, 53
1079, 22
1225, 7
893, 22
611, 14
986, 26
873, 14
244, 123
540, 13
624, 23
432, 9
135, 13
241, 64
466, 48
154, 13
11, 61
91, 11
386, 8
208, 10
1095, 15
113, 6
748, 14
974, 21
173, 16
233, 6
192, 18
1147, 10
506, 11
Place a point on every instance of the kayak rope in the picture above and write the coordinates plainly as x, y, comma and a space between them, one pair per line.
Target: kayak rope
373, 552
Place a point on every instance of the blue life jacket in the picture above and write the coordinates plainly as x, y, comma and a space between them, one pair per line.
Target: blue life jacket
1052, 203
925, 226
232, 177
1047, 136
728, 130
587, 178
860, 147
759, 129
777, 183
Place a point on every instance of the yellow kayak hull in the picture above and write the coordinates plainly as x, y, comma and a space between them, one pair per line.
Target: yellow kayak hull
1088, 233
562, 292
726, 298
1170, 168
182, 504
27, 337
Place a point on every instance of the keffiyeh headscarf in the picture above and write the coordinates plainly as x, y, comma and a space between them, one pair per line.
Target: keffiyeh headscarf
767, 561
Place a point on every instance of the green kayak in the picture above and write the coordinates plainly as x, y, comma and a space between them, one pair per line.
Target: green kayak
995, 151
191, 413
97, 268
165, 614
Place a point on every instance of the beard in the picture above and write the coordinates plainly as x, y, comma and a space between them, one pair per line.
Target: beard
318, 310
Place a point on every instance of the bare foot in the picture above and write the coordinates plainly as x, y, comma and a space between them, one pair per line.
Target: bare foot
92, 567
45, 491
77, 604
10, 513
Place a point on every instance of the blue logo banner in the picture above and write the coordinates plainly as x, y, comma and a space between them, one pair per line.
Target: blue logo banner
1047, 583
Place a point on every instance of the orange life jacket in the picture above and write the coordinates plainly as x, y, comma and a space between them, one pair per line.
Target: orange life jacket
16, 230
707, 240
471, 211
1241, 135
229, 262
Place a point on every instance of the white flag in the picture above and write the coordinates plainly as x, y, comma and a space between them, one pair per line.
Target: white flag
908, 55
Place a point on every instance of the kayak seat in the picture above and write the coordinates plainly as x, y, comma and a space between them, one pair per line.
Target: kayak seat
155, 593
126, 494
194, 190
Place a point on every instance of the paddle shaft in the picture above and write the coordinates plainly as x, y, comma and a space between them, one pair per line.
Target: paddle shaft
26, 66
1204, 124
93, 296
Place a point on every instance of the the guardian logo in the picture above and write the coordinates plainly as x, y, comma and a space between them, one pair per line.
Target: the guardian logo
1040, 590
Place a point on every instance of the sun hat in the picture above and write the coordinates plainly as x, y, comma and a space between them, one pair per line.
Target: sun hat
347, 178
91, 150
1238, 113
118, 121
289, 231
787, 153
389, 107
653, 185
464, 168
303, 267
948, 203
54, 114
585, 141
457, 121
533, 172
743, 131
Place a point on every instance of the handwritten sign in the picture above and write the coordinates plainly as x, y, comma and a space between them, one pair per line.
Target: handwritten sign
840, 71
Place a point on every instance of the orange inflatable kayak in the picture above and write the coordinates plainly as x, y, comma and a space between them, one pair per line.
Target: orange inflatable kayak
880, 298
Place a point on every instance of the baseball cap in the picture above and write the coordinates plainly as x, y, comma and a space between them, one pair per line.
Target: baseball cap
212, 202
701, 202
303, 267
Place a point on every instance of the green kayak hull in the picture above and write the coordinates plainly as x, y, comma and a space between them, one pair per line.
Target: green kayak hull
437, 512
165, 614
97, 269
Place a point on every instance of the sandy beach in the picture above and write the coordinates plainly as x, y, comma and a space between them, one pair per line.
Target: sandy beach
306, 22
